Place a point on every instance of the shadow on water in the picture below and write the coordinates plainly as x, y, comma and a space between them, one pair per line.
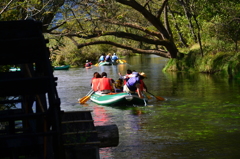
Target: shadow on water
199, 119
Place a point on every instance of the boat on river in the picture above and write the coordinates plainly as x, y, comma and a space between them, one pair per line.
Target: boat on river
117, 99
104, 63
88, 67
14, 69
63, 67
111, 63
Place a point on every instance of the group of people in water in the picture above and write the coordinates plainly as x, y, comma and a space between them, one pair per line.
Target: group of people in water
132, 82
109, 58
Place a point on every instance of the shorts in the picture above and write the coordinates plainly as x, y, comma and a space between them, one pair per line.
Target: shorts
126, 89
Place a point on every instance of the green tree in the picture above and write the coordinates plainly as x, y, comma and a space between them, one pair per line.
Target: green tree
136, 26
141, 26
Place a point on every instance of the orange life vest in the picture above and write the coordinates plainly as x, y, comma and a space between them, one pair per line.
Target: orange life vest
105, 83
95, 83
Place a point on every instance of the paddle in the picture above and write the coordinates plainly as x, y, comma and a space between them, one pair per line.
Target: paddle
86, 98
96, 64
124, 61
149, 97
157, 97
145, 103
120, 61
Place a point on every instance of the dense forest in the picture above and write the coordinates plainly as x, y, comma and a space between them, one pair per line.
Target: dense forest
198, 35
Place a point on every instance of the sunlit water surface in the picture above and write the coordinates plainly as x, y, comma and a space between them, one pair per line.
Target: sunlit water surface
199, 119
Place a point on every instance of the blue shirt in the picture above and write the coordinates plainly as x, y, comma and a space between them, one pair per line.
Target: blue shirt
114, 57
101, 58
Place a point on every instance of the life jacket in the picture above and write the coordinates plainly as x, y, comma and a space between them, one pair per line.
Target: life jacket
92, 80
118, 84
95, 83
105, 84
108, 58
87, 65
114, 57
131, 83
101, 58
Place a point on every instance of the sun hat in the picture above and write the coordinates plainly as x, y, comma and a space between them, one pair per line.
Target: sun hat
143, 74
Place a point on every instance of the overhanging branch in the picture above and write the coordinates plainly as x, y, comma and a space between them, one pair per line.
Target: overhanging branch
153, 33
57, 26
119, 35
161, 53
161, 9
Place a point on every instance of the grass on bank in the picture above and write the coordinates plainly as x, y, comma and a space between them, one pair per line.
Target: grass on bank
222, 62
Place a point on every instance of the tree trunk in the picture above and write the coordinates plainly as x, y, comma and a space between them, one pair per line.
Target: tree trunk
188, 15
183, 41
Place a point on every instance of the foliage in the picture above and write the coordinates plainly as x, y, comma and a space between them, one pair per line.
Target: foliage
83, 29
4, 68
222, 63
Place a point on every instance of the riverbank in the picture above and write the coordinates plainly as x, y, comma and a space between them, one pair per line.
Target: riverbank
222, 63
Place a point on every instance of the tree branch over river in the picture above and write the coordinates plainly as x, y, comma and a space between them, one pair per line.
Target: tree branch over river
175, 29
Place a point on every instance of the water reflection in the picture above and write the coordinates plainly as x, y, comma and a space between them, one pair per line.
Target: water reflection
200, 119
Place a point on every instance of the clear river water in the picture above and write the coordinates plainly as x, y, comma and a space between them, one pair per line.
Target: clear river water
199, 119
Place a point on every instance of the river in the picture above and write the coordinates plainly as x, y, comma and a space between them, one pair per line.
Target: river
199, 119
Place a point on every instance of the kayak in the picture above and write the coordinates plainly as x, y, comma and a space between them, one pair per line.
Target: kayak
115, 63
121, 61
14, 69
63, 67
111, 63
104, 63
88, 67
116, 99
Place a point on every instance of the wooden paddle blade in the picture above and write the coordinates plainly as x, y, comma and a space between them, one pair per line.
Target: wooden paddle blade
159, 98
85, 100
80, 100
149, 97
124, 61
120, 61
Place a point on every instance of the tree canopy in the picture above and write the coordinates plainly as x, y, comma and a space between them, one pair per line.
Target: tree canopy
141, 26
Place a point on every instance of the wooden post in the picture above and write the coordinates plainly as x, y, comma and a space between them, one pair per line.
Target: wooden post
108, 135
